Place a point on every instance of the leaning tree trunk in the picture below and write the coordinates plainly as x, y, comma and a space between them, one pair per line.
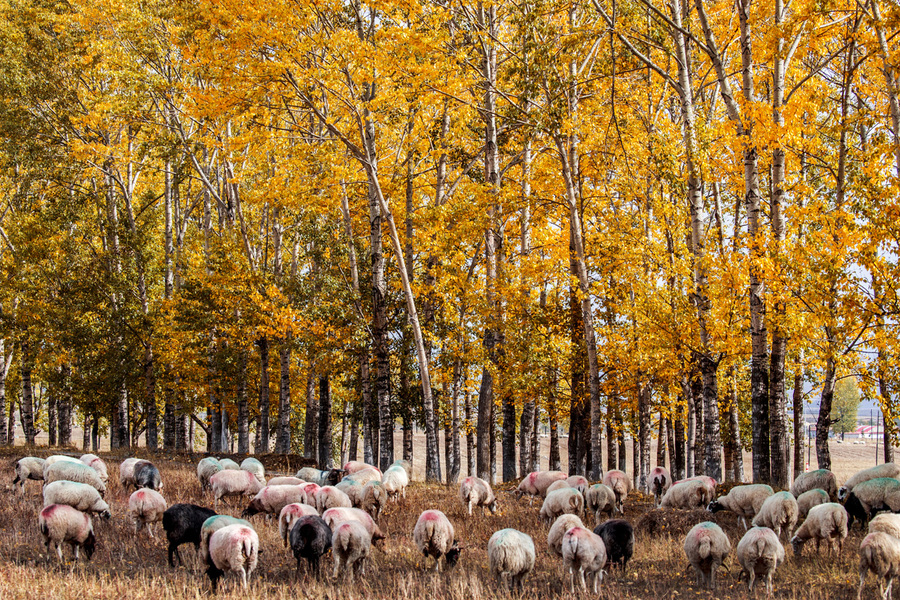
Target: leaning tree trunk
325, 426
824, 422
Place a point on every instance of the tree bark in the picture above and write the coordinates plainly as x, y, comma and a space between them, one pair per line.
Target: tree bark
283, 428
799, 433
509, 437
243, 407
662, 440
824, 422
263, 423
553, 417
65, 407
734, 428
525, 424
26, 406
642, 474
5, 364
470, 436
678, 472
52, 403
325, 427
485, 423
311, 429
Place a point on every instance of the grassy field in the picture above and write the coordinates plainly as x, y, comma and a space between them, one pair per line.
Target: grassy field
129, 567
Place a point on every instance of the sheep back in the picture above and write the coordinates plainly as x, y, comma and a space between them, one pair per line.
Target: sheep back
760, 553
289, 515
810, 498
310, 539
511, 554
433, 533
560, 526
74, 471
743, 500
567, 500
600, 498
618, 537
688, 495
80, 496
778, 512
146, 506
824, 522
884, 470
474, 491
822, 479
888, 523
272, 498
146, 475
232, 548
253, 465
60, 523
706, 547
537, 482
182, 524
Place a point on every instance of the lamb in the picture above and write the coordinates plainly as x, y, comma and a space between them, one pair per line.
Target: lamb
146, 475
474, 491
289, 516
206, 468
706, 547
600, 498
584, 551
868, 497
888, 523
810, 498
618, 537
778, 512
96, 463
330, 477
146, 506
333, 516
395, 480
212, 525
60, 523
80, 496
537, 482
74, 471
561, 525
620, 484
660, 482
232, 548
310, 539
254, 466
879, 552
824, 522
372, 498
229, 465
182, 524
567, 500
884, 470
688, 495
511, 556
330, 497
272, 498
27, 468
52, 460
743, 500
126, 472
351, 543
285, 481
233, 483
822, 479
434, 536
759, 553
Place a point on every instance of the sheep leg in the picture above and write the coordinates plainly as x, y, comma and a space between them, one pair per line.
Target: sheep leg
862, 582
470, 507
890, 585
243, 577
752, 578
59, 552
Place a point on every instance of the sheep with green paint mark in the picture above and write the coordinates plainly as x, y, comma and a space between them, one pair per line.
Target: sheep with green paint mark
884, 470
779, 513
822, 479
213, 524
868, 497
810, 498
206, 468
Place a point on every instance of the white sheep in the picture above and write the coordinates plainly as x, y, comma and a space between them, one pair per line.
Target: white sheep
688, 495
212, 525
560, 526
743, 500
126, 472
74, 471
882, 493
229, 465
884, 470
578, 482
760, 553
206, 468
52, 460
511, 556
810, 498
567, 500
879, 553
822, 479
620, 484
372, 498
233, 548
395, 480
60, 524
289, 515
357, 465
30, 467
272, 498
778, 512
333, 516
285, 481
350, 545
583, 552
660, 482
80, 496
706, 547
598, 499
309, 491
888, 523
434, 536
474, 491
537, 482
96, 463
330, 497
558, 485
146, 506
229, 482
254, 466
407, 466
824, 522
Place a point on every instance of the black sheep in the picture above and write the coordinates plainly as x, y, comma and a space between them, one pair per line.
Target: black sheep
618, 535
146, 475
310, 539
182, 523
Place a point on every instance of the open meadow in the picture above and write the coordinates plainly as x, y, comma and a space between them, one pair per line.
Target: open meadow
126, 566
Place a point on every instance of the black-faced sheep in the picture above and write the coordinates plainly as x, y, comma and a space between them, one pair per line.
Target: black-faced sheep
743, 500
30, 467
351, 544
560, 526
567, 500
660, 482
618, 537
289, 516
146, 506
760, 553
60, 524
310, 539
779, 513
182, 524
511, 556
879, 553
234, 548
74, 471
474, 491
620, 484
688, 495
871, 496
706, 547
884, 470
80, 496
822, 479
146, 475
434, 536
584, 553
229, 482
330, 477
824, 522
811, 498
598, 499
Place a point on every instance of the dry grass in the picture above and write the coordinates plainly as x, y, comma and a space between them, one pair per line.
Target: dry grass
129, 567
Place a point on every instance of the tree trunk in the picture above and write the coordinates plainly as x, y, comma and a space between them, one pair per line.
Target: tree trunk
824, 422
485, 424
525, 425
26, 407
691, 458
888, 426
169, 435
263, 423
95, 433
369, 410
509, 437
534, 462
799, 433
283, 428
86, 434
470, 436
662, 439
642, 474
5, 363
325, 427
52, 403
345, 425
243, 407
579, 422
553, 417
454, 469
678, 472
311, 429
354, 436
734, 428
65, 407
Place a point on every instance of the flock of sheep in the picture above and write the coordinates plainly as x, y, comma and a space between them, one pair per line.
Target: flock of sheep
336, 510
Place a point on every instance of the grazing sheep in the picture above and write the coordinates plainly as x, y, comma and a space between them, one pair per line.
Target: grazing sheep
537, 482
27, 468
511, 556
289, 516
333, 516
778, 512
330, 497
688, 495
232, 548
372, 498
474, 491
309, 491
395, 480
80, 496
310, 539
212, 525
560, 526
620, 484
434, 536
126, 472
706, 547
879, 552
824, 522
884, 470
96, 463
888, 523
357, 465
182, 524
709, 481
822, 479
598, 499
759, 553
272, 498
558, 485
583, 551
60, 523
578, 482
407, 466
229, 482
206, 468
810, 498
330, 477
285, 481
56, 458
870, 496
743, 500
660, 482
146, 475
567, 500
350, 543
229, 465
618, 537
254, 466
74, 471
146, 506
364, 476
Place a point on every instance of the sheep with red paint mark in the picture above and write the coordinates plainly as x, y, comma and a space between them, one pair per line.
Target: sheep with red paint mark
474, 491
61, 524
146, 506
620, 484
272, 498
289, 516
229, 482
235, 549
435, 537
537, 482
